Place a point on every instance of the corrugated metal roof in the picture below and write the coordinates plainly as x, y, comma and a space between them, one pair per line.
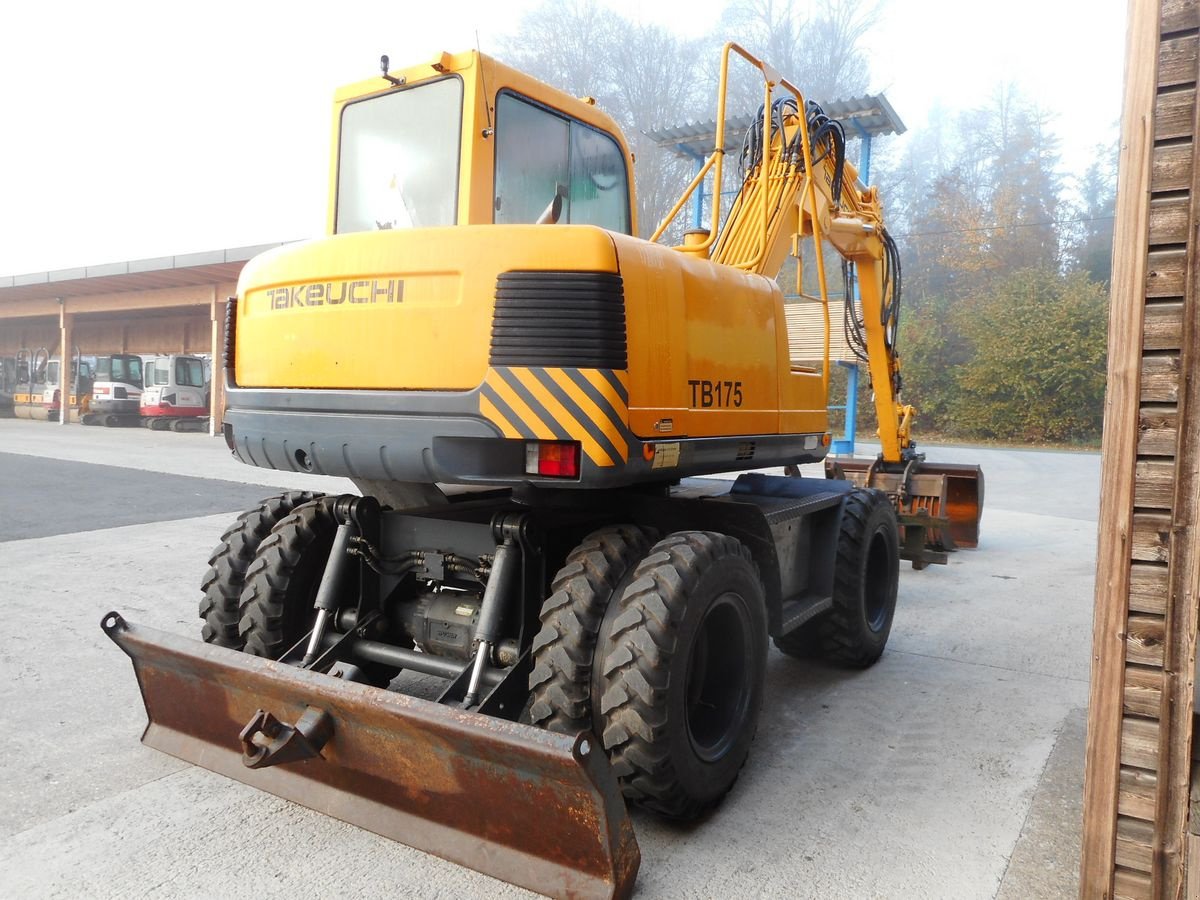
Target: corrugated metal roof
870, 114
133, 275
806, 331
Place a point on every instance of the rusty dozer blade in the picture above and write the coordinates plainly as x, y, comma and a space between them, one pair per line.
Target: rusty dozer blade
534, 808
945, 498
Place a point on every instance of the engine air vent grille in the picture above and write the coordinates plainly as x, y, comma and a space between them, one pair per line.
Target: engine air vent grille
568, 319
227, 351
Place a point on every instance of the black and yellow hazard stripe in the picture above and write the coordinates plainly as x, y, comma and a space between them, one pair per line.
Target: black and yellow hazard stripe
586, 405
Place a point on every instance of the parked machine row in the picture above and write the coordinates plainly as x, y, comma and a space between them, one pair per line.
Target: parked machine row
158, 391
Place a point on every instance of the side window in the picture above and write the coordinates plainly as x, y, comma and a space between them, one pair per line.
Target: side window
532, 148
599, 193
540, 154
189, 373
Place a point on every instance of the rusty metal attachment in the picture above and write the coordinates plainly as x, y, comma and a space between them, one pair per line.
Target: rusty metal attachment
939, 505
406, 768
268, 742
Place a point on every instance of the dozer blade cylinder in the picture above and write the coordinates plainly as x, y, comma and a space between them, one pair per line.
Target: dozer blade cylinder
945, 491
534, 808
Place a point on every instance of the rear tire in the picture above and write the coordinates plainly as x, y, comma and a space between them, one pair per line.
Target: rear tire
281, 585
560, 696
684, 661
223, 582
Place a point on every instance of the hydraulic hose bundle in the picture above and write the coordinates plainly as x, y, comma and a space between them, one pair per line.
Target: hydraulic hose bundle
825, 135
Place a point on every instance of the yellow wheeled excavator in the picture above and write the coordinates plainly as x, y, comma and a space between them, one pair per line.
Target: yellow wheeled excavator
523, 392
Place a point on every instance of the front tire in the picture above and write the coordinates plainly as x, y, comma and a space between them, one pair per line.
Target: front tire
866, 581
855, 632
681, 684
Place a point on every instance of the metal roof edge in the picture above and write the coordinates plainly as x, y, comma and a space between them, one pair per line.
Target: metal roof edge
137, 266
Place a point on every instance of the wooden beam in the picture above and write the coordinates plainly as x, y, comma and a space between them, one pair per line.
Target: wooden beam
216, 393
64, 368
1103, 753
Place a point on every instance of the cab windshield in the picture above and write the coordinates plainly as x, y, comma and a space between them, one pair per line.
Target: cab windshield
125, 369
398, 159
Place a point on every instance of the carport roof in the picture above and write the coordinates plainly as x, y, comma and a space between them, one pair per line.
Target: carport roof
133, 275
870, 114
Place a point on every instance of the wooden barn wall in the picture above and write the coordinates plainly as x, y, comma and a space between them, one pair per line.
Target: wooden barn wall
21, 335
1138, 777
181, 333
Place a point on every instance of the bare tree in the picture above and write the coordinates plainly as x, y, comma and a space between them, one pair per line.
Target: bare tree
648, 78
642, 75
817, 49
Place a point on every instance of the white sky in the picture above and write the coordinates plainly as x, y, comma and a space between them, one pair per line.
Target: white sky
138, 129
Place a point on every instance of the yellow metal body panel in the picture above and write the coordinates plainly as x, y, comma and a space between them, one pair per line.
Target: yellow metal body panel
392, 310
708, 351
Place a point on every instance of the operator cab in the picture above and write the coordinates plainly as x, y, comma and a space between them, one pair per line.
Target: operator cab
408, 157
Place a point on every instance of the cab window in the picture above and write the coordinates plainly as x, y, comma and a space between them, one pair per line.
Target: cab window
541, 154
189, 372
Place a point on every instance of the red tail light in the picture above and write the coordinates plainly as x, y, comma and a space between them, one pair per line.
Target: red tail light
553, 459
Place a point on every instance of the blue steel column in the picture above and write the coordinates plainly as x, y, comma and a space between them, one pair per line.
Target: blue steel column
846, 444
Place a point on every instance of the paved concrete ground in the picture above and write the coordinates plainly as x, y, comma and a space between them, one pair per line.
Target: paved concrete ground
951, 769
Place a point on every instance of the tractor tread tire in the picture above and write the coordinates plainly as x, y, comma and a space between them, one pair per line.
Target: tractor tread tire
840, 633
222, 584
269, 578
637, 731
560, 683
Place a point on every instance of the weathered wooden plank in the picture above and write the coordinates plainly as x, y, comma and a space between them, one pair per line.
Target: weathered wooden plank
1168, 220
1155, 484
1151, 537
1143, 691
1192, 891
1177, 61
1137, 793
1163, 326
1174, 115
1166, 272
1144, 641
1107, 726
1129, 885
1135, 844
1148, 588
1139, 743
1158, 430
1171, 167
1160, 379
1179, 15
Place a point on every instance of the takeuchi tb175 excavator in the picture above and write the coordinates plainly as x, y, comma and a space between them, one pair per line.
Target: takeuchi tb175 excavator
523, 392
